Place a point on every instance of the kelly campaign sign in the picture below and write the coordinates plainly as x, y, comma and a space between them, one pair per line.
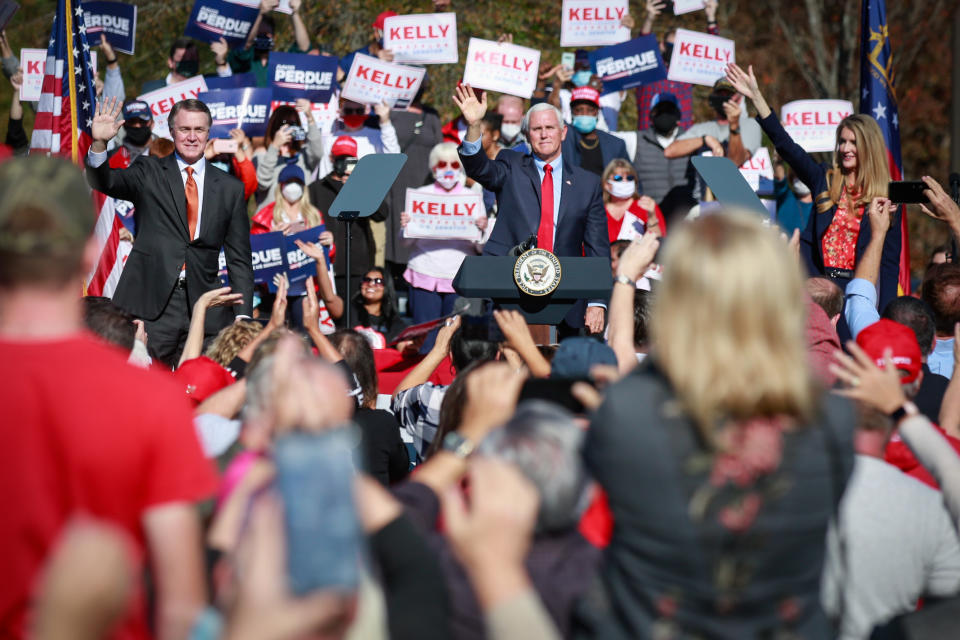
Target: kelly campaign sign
267, 256
501, 67
161, 101
116, 20
593, 22
247, 109
32, 62
236, 81
422, 38
300, 266
372, 81
813, 123
298, 75
215, 19
631, 64
700, 58
434, 215
758, 171
686, 6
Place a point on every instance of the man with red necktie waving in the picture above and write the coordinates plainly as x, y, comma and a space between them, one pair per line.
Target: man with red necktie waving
539, 194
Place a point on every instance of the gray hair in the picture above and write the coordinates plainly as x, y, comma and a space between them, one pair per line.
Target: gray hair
543, 441
541, 106
443, 151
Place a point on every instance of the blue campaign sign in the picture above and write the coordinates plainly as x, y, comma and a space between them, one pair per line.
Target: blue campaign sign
267, 256
116, 20
629, 64
211, 20
236, 81
298, 75
300, 266
247, 109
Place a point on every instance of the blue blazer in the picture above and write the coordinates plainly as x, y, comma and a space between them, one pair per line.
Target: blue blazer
582, 221
610, 147
811, 239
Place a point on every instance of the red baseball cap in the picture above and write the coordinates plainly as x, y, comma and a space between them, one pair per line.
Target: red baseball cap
887, 334
344, 146
378, 23
202, 377
586, 94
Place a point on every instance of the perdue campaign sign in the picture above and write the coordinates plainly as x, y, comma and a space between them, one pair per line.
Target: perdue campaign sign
372, 81
700, 58
436, 215
422, 38
631, 64
813, 123
247, 109
298, 75
116, 20
593, 22
502, 67
162, 100
211, 20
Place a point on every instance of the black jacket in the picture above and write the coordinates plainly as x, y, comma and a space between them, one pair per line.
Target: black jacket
363, 248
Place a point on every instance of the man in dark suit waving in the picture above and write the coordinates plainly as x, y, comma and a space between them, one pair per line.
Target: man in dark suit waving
540, 194
186, 210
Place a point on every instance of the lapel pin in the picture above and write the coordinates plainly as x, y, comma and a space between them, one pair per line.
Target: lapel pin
568, 182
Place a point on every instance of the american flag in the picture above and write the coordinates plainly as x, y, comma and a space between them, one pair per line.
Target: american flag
63, 127
878, 97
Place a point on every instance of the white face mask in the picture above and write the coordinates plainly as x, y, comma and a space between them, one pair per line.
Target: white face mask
509, 130
622, 189
446, 178
292, 192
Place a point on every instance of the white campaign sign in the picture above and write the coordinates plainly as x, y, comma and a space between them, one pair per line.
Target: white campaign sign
372, 81
700, 58
283, 7
813, 123
32, 62
434, 215
759, 166
593, 22
686, 6
422, 38
161, 101
502, 67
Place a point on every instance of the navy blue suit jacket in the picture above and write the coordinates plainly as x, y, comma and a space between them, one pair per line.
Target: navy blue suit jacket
582, 221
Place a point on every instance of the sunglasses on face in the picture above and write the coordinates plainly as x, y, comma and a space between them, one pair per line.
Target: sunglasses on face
443, 164
622, 178
377, 282
358, 111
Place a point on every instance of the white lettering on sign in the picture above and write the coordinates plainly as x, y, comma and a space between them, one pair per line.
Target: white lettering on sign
223, 111
116, 24
593, 22
232, 27
266, 258
636, 63
314, 80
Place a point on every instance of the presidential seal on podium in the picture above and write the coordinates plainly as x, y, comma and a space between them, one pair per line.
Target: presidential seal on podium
537, 272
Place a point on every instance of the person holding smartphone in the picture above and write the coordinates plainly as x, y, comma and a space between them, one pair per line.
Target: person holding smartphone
838, 231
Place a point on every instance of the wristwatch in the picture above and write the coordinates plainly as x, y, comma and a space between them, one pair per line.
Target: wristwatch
458, 445
734, 132
622, 279
904, 410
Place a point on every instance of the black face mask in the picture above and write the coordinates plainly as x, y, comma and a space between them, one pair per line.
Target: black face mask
188, 68
665, 122
137, 136
263, 43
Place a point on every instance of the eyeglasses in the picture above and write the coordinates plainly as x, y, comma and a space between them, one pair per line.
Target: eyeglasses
377, 282
357, 111
622, 178
443, 164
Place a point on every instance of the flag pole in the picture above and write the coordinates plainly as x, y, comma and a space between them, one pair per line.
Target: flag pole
74, 141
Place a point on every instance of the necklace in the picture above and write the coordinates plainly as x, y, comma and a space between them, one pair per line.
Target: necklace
584, 144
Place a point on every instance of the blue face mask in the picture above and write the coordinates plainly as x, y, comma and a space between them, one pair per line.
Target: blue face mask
584, 124
581, 78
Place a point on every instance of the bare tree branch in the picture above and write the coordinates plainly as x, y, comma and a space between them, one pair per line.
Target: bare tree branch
921, 32
815, 19
796, 46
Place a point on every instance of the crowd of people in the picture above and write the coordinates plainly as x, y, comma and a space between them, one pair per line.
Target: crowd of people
749, 434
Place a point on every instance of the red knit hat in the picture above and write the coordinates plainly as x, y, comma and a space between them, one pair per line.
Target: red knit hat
344, 146
887, 334
378, 23
586, 94
202, 377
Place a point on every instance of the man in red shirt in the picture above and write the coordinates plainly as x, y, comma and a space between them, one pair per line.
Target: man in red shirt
84, 433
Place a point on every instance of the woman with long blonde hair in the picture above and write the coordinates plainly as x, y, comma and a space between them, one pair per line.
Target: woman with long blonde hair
838, 230
722, 459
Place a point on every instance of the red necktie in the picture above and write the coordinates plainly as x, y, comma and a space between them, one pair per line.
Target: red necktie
193, 202
545, 230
